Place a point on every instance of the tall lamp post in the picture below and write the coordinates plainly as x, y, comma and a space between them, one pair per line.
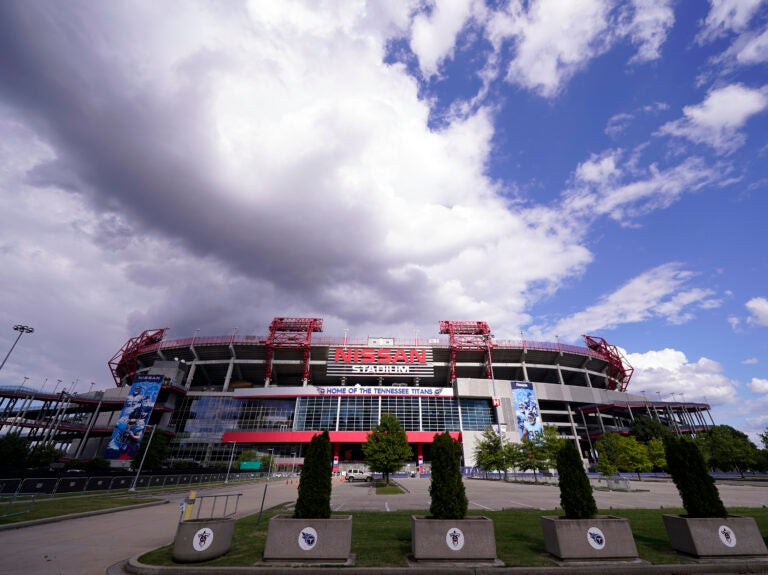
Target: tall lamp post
496, 401
264, 496
22, 329
143, 457
231, 457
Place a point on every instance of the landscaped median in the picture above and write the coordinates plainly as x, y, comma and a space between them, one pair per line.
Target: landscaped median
381, 539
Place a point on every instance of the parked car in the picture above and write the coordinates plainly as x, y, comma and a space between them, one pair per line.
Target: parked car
359, 475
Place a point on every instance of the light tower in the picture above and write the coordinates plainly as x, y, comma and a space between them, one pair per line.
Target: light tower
22, 329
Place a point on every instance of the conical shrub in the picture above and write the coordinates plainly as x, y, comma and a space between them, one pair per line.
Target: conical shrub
689, 471
449, 498
314, 499
576, 496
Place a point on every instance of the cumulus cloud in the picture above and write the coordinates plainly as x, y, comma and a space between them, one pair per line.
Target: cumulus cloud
668, 371
717, 121
649, 27
433, 36
727, 16
758, 385
662, 292
758, 309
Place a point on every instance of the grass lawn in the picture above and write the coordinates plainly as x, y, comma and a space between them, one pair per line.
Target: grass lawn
384, 539
42, 508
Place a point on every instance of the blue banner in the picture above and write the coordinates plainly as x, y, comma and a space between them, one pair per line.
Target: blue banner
529, 422
134, 417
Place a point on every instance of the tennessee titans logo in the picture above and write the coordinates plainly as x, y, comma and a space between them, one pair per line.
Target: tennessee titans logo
454, 539
202, 539
595, 538
307, 538
727, 536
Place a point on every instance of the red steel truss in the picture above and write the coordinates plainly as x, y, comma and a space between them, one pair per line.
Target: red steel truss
125, 361
291, 332
619, 371
467, 336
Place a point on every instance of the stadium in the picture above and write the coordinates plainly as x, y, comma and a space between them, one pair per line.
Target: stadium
217, 396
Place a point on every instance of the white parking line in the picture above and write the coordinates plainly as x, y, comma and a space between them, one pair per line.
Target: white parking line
386, 506
483, 506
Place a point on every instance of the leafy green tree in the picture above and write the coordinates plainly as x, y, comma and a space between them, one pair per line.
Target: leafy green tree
764, 438
13, 451
541, 451
728, 449
694, 483
644, 429
621, 453
387, 447
449, 498
156, 454
576, 496
515, 455
314, 499
43, 454
489, 454
267, 463
656, 456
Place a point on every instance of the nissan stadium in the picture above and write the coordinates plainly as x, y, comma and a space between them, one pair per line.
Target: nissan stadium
217, 396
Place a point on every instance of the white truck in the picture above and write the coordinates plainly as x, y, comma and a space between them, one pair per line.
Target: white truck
359, 475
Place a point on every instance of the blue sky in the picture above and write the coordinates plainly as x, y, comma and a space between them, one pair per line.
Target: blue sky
553, 168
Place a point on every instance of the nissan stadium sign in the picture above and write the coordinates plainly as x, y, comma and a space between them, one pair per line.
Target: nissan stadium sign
380, 362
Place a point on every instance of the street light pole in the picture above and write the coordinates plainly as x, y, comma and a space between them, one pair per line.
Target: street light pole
143, 457
231, 457
487, 337
264, 497
22, 329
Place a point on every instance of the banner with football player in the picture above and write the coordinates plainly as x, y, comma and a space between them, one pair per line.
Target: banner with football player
529, 422
134, 417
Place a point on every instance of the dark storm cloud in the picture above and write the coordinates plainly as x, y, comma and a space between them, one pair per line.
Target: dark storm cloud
145, 153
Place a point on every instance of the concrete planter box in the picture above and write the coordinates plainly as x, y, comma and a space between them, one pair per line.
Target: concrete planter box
202, 539
468, 539
601, 538
732, 536
309, 540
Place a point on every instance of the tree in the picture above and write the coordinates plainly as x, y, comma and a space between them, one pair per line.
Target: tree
655, 449
314, 499
43, 454
489, 454
541, 451
576, 496
247, 455
728, 449
621, 453
764, 438
157, 453
644, 429
387, 447
449, 499
689, 472
13, 451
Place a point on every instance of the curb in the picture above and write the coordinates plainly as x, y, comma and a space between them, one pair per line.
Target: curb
57, 518
133, 566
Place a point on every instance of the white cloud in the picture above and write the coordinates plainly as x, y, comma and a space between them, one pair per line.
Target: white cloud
553, 39
661, 292
758, 308
752, 49
669, 372
433, 36
750, 361
602, 186
651, 22
717, 120
727, 16
758, 385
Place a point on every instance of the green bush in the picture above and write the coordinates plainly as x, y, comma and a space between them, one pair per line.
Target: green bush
314, 500
449, 499
694, 483
575, 491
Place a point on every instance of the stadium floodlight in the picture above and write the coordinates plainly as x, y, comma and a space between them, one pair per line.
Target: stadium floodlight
22, 329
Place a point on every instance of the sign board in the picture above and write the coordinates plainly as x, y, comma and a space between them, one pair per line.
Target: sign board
527, 412
250, 465
380, 362
134, 417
